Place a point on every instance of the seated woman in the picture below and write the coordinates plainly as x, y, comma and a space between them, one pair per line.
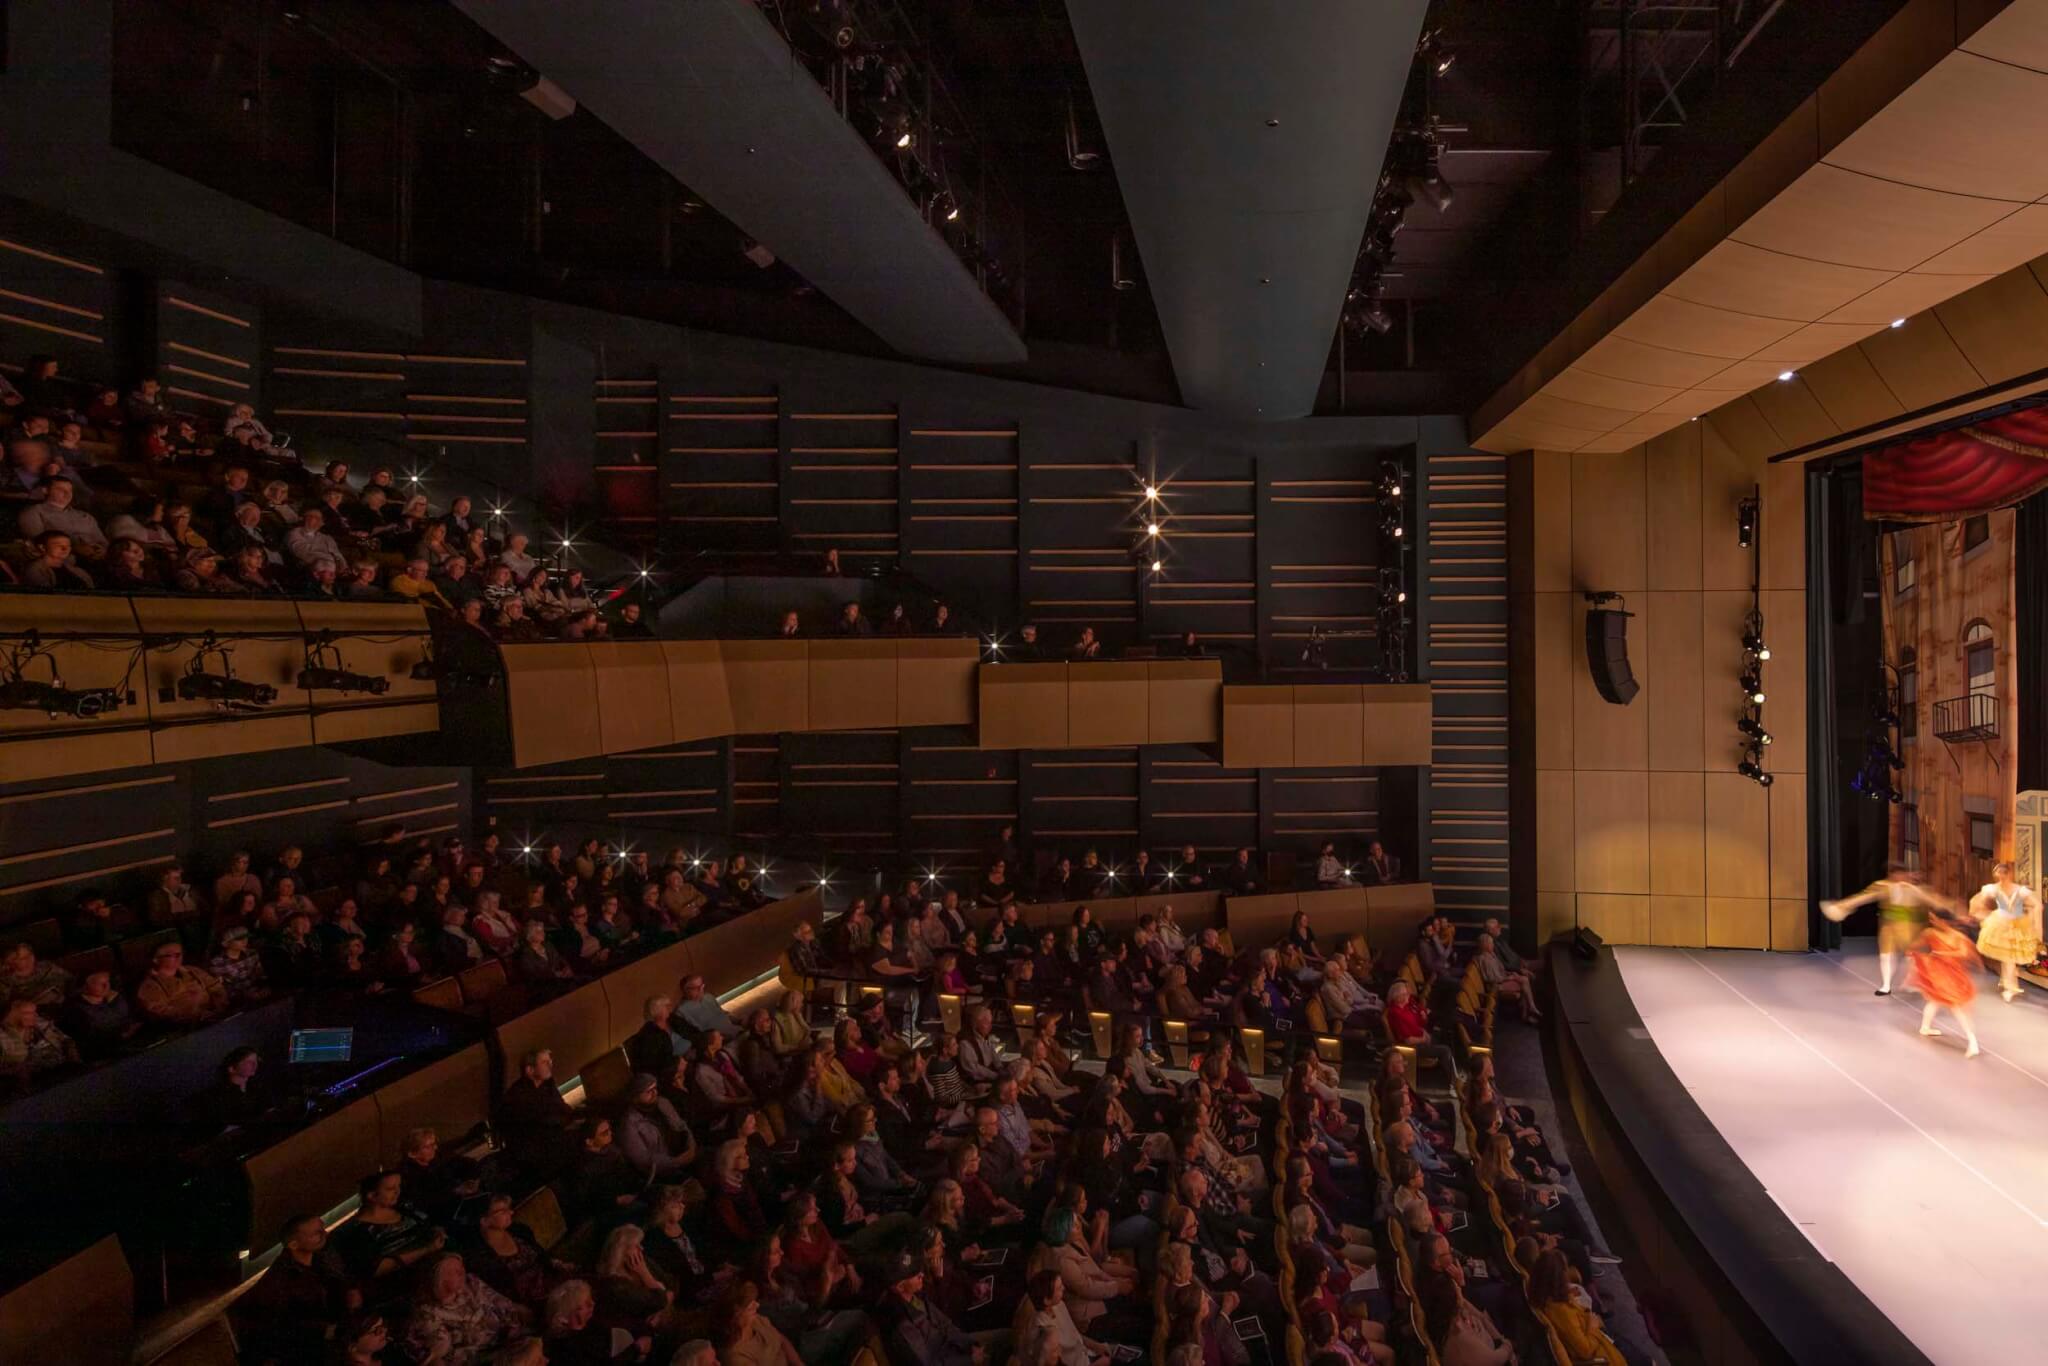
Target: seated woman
863, 1232
1348, 1241
630, 1296
1114, 1186
1407, 1021
880, 1178
813, 1311
458, 1319
853, 1052
539, 963
1100, 1297
387, 1235
1193, 1322
505, 1256
1043, 1330
1300, 936
984, 1214
1581, 1330
733, 1221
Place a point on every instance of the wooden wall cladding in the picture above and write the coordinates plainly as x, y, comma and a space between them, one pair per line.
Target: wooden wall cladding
959, 515
1059, 706
82, 1310
157, 729
1882, 198
56, 303
208, 348
1326, 725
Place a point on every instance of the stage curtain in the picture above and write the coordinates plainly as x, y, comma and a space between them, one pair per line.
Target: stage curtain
1959, 473
2030, 637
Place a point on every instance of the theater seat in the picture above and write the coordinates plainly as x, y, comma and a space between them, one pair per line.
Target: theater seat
541, 1212
44, 936
606, 1078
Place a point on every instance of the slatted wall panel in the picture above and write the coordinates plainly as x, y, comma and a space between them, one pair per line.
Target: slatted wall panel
720, 468
839, 480
112, 831
628, 426
466, 411
649, 798
1319, 529
55, 304
338, 395
757, 785
956, 798
1465, 658
1207, 513
1082, 512
840, 791
1304, 807
209, 350
959, 512
1074, 800
1192, 799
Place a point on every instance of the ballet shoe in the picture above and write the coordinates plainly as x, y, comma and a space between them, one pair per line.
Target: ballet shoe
1882, 991
1973, 1050
1930, 1033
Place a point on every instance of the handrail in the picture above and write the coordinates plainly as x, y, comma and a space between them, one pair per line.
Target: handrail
1973, 716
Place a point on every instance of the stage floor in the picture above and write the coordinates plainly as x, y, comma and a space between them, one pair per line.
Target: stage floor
1922, 1176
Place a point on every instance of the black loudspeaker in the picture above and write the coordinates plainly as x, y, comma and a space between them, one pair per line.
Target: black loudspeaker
1586, 944
1607, 655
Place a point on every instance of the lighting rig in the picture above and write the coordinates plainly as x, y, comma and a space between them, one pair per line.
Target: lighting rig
326, 670
223, 689
1749, 720
1413, 171
1391, 615
1881, 759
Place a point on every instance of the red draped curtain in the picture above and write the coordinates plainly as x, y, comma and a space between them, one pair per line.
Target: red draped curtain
1959, 473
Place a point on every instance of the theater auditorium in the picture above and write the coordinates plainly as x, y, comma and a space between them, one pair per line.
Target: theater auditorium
1058, 682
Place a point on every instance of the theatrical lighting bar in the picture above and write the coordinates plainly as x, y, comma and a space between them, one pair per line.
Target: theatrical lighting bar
325, 670
53, 698
1390, 618
1749, 719
225, 689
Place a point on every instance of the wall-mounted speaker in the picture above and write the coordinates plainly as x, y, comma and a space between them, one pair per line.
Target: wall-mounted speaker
1607, 655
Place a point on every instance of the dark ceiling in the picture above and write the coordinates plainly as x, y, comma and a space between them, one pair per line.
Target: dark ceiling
378, 121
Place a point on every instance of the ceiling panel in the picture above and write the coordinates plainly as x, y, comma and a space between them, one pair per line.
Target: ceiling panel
1247, 141
1768, 284
2011, 241
711, 93
1681, 323
1838, 215
1972, 125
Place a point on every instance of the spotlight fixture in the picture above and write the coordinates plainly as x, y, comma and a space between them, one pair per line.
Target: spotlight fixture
1753, 687
1151, 491
1746, 517
1752, 767
1898, 322
1151, 528
1784, 375
326, 671
1753, 643
1157, 565
223, 689
53, 698
1754, 729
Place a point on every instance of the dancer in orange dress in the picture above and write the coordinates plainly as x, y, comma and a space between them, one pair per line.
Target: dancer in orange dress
1944, 964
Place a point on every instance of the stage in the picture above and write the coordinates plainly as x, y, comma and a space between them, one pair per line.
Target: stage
1922, 1176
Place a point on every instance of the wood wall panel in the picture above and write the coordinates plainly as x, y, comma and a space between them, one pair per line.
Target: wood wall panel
1550, 566
1785, 681
1108, 704
1553, 838
935, 681
1557, 657
1329, 723
551, 692
1024, 706
1611, 831
1789, 928
1672, 474
1738, 922
852, 685
1609, 523
633, 707
1604, 735
1678, 922
1678, 849
700, 700
1616, 919
770, 685
1673, 698
1185, 701
1787, 816
1258, 726
1737, 825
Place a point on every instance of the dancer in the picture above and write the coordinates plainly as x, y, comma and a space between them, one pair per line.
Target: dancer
1942, 959
2011, 933
1903, 906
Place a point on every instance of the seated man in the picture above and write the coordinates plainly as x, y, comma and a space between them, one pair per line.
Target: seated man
57, 513
699, 1011
29, 1044
53, 566
538, 1126
173, 994
413, 585
308, 543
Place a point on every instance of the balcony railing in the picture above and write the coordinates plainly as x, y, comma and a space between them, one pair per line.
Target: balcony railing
1973, 716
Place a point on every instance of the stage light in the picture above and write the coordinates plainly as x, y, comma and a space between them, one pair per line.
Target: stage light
342, 680
1745, 522
1151, 528
1754, 729
526, 851
1157, 566
26, 694
1898, 322
905, 140
1784, 375
1151, 491
196, 685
